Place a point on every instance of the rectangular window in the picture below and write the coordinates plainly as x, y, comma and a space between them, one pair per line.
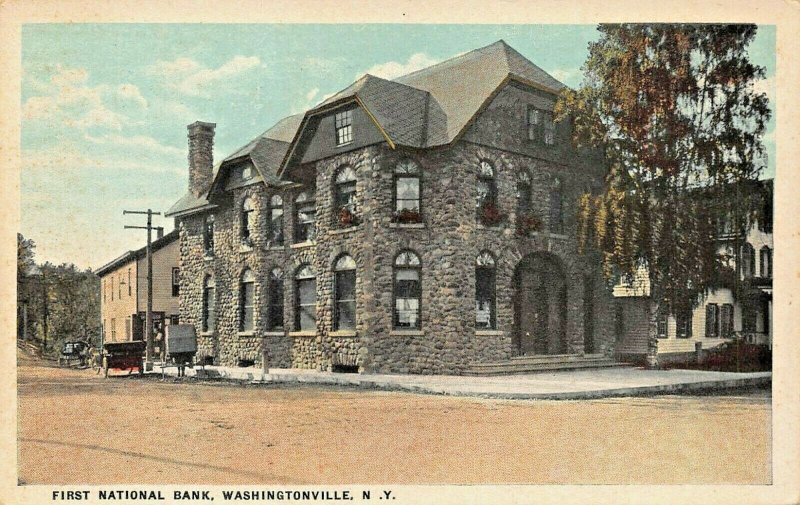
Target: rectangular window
344, 127
112, 289
113, 329
105, 289
175, 281
712, 320
276, 225
683, 324
128, 329
307, 304
484, 298
248, 295
275, 311
345, 296
748, 317
305, 221
661, 326
208, 235
209, 310
407, 194
129, 282
407, 298
541, 127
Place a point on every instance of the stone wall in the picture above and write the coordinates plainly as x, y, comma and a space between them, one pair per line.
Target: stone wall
448, 242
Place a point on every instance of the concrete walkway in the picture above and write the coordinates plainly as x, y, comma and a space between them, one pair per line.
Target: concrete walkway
598, 383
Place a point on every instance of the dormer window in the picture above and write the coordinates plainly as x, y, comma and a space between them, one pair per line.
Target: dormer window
344, 127
247, 172
541, 127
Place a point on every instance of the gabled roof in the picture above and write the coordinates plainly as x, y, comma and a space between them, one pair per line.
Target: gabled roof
462, 85
265, 151
130, 256
434, 106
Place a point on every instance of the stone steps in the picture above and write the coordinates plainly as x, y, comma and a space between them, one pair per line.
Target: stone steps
531, 364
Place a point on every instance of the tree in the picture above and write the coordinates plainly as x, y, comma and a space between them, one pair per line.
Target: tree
25, 267
675, 110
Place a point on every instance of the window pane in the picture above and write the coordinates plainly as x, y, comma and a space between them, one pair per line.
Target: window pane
276, 226
407, 312
407, 193
308, 317
307, 291
346, 315
345, 285
484, 298
275, 315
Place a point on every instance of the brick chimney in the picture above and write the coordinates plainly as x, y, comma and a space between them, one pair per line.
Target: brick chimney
201, 156
159, 232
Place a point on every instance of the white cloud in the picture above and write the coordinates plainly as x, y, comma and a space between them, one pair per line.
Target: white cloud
191, 78
68, 100
137, 141
392, 69
131, 92
66, 158
311, 94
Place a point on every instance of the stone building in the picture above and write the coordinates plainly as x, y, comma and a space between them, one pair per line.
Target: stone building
419, 225
123, 290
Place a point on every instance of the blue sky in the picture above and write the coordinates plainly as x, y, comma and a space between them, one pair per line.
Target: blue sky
105, 106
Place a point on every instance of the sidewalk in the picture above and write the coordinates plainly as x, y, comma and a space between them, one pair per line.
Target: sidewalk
598, 383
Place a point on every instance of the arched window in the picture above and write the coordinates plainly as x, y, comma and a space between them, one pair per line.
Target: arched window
766, 262
209, 304
407, 192
275, 307
305, 216
247, 293
344, 196
305, 298
276, 220
407, 290
344, 286
556, 202
748, 261
208, 234
247, 220
485, 298
487, 193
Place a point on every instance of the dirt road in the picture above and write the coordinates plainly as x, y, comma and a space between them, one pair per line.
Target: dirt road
76, 427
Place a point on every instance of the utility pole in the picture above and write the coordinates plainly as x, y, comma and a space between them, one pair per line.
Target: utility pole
148, 322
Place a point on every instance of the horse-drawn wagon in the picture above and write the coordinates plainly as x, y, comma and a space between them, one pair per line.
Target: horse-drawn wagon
123, 356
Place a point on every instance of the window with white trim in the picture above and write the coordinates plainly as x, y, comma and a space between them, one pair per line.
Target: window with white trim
344, 287
344, 127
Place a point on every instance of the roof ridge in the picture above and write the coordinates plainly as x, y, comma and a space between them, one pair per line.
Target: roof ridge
460, 57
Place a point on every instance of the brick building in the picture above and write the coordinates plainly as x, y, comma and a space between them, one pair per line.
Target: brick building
123, 290
420, 225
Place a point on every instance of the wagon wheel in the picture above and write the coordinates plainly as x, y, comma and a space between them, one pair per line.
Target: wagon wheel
105, 366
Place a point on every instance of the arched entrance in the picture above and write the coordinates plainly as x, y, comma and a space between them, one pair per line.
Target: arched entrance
540, 305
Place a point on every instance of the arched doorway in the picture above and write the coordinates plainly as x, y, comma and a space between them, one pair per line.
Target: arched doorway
540, 305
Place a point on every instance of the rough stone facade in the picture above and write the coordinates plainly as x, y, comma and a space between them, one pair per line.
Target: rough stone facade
448, 241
